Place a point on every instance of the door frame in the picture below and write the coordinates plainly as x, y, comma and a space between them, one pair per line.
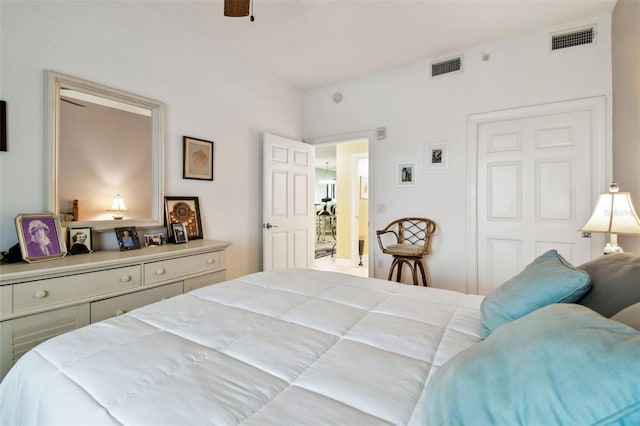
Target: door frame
601, 162
346, 137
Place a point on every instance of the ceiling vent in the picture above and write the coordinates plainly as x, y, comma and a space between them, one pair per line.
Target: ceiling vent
446, 67
578, 37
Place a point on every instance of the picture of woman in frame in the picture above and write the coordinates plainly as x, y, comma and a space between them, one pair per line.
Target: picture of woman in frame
40, 237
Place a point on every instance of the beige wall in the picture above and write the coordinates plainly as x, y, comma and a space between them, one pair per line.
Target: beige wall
344, 151
625, 39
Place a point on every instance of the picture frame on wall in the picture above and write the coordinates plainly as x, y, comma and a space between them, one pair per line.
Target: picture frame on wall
185, 210
364, 187
179, 232
3, 125
40, 237
80, 240
436, 155
406, 174
128, 238
197, 158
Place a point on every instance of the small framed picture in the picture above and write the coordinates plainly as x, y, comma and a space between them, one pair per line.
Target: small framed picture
364, 187
436, 155
80, 240
157, 239
406, 174
197, 159
179, 232
127, 238
185, 210
40, 237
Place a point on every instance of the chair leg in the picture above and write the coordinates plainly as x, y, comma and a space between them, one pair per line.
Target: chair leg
421, 264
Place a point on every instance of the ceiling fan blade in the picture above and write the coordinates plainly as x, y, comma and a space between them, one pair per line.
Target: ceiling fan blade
236, 8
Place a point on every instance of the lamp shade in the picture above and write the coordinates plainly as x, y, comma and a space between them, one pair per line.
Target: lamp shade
117, 204
614, 213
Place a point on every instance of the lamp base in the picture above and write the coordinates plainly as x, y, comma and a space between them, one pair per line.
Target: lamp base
612, 248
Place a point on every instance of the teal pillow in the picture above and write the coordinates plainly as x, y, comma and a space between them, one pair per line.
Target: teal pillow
563, 364
548, 279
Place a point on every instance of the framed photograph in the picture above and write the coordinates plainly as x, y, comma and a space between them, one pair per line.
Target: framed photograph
40, 237
197, 159
3, 125
436, 155
364, 187
185, 210
406, 174
157, 239
127, 238
80, 240
179, 232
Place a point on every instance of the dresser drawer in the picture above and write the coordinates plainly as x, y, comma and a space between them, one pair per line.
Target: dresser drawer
54, 291
204, 280
119, 305
166, 270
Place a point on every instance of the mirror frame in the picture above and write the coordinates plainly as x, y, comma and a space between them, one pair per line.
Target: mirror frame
54, 82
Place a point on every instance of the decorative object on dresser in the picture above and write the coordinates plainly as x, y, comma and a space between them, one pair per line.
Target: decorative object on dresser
80, 240
185, 210
127, 238
41, 300
179, 232
197, 159
614, 213
40, 237
157, 239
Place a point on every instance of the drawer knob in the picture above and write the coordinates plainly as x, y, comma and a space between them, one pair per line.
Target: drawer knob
211, 261
120, 312
160, 271
41, 294
125, 278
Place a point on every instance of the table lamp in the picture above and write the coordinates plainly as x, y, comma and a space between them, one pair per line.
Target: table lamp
614, 213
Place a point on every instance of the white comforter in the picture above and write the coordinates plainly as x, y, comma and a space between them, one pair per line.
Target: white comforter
285, 347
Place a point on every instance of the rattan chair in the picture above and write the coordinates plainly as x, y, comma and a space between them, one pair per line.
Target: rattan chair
408, 240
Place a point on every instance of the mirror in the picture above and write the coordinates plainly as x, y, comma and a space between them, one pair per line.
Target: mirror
102, 143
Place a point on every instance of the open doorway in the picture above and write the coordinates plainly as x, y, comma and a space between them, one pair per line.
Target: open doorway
342, 206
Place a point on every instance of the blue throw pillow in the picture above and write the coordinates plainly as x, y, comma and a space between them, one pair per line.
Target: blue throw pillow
548, 279
563, 364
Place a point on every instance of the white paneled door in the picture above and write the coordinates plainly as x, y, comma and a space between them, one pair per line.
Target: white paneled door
534, 192
288, 214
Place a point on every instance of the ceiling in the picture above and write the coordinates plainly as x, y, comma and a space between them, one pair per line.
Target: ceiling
313, 43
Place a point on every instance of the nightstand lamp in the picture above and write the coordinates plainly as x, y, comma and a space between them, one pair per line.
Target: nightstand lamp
614, 213
118, 206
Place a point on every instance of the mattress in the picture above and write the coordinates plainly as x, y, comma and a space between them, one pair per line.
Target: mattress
279, 347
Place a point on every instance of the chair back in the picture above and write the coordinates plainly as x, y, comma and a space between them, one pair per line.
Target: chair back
409, 230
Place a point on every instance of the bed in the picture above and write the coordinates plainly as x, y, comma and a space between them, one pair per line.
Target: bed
308, 347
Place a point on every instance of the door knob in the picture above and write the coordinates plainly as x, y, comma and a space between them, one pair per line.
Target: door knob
269, 226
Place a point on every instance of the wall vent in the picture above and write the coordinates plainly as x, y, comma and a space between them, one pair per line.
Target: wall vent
578, 37
446, 67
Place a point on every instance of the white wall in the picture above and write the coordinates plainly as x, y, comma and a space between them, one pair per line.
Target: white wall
417, 110
209, 95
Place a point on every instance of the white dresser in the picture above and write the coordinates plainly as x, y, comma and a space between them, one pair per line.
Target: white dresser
41, 300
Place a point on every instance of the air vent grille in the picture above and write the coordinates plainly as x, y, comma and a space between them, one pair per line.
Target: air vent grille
445, 67
573, 38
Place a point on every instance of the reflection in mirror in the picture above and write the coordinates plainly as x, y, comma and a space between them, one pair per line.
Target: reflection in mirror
103, 142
